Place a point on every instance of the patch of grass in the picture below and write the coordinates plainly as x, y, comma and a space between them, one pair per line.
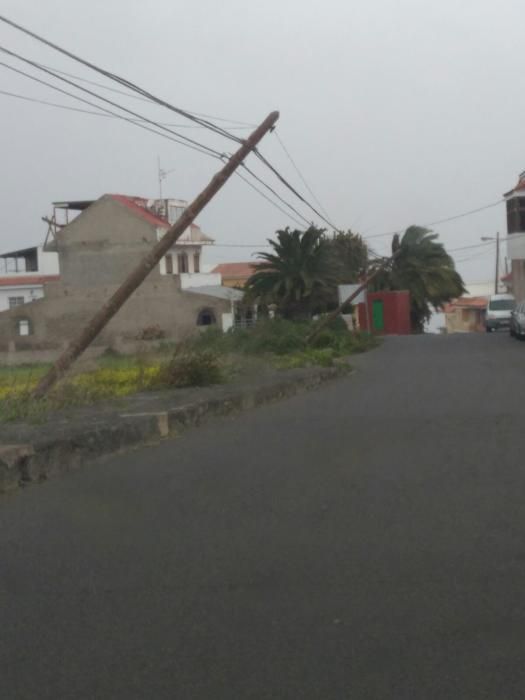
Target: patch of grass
209, 358
320, 357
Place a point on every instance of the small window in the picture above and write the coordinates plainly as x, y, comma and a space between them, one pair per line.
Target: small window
206, 317
196, 262
182, 259
169, 264
24, 326
15, 301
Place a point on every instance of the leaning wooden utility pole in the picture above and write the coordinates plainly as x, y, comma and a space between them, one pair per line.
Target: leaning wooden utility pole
139, 274
333, 314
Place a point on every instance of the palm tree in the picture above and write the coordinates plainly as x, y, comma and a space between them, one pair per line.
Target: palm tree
423, 267
297, 276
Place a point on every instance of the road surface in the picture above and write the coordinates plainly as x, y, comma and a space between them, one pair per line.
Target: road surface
363, 541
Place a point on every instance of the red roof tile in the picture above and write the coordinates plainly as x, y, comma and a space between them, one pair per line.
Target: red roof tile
519, 187
21, 280
241, 270
466, 303
138, 206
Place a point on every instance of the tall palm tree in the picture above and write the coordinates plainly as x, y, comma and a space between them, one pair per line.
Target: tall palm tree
423, 267
297, 276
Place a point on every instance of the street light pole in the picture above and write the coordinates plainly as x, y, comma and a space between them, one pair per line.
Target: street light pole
496, 277
496, 280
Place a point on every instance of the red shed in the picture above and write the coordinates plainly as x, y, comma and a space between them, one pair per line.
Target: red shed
388, 313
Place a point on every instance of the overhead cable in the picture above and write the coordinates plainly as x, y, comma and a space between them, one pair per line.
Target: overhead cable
105, 99
99, 114
120, 116
119, 79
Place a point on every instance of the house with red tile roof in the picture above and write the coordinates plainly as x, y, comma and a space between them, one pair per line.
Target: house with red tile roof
235, 274
23, 274
98, 243
466, 315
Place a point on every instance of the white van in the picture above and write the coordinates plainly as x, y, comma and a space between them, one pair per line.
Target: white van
499, 309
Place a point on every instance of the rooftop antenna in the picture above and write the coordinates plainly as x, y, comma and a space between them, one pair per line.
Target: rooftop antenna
162, 175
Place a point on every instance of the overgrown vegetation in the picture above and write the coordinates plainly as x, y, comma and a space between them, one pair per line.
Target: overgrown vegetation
299, 277
209, 358
423, 266
301, 274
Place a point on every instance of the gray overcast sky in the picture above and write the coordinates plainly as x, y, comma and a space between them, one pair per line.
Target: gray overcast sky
396, 111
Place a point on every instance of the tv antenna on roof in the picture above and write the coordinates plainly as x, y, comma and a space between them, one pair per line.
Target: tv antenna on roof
162, 175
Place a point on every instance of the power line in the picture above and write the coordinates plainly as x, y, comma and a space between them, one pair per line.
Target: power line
120, 80
99, 114
469, 247
142, 125
440, 221
135, 88
467, 213
281, 199
92, 104
277, 206
292, 161
104, 99
203, 122
476, 256
240, 124
293, 190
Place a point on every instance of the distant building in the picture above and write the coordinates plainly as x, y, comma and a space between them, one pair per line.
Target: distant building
515, 200
23, 274
98, 243
385, 313
235, 274
466, 315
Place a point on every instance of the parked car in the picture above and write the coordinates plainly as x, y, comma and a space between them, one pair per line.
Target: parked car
499, 310
517, 321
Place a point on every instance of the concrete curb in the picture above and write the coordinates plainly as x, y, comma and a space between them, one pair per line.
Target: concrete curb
21, 465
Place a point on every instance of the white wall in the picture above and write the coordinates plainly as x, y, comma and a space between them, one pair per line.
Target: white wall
47, 262
29, 292
516, 246
227, 322
200, 279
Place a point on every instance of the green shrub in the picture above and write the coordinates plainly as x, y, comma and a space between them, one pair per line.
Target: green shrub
324, 339
272, 336
191, 368
212, 338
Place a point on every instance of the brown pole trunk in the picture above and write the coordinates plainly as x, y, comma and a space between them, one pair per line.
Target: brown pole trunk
333, 314
135, 278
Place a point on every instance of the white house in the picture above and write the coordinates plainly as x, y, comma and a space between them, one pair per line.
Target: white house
23, 274
515, 203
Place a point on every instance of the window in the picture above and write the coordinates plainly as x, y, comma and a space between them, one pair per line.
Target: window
169, 264
24, 326
516, 215
182, 259
196, 262
15, 301
206, 317
174, 213
501, 304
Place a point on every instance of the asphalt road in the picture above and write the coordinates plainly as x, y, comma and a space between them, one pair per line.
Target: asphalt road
363, 541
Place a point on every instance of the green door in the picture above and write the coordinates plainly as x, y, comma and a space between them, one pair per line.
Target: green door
378, 321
